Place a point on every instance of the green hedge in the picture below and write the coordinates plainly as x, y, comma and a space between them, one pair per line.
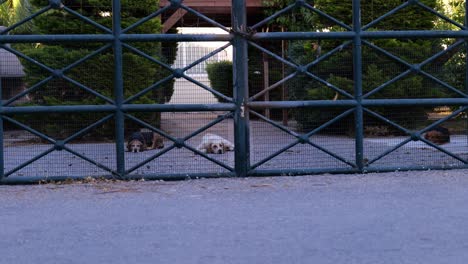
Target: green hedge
96, 73
377, 69
220, 75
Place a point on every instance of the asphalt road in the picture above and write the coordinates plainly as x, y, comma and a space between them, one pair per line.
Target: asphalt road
404, 217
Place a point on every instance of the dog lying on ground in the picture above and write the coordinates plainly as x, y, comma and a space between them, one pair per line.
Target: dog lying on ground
141, 141
214, 144
438, 135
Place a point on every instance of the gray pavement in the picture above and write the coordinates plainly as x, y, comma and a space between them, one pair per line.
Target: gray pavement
404, 217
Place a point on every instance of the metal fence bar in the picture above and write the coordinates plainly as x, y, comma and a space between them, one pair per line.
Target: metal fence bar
325, 15
430, 10
416, 67
118, 88
147, 18
148, 89
149, 159
56, 73
87, 129
443, 150
273, 86
302, 104
26, 163
272, 17
29, 90
175, 37
298, 68
415, 135
65, 38
56, 109
179, 142
95, 163
241, 90
357, 76
414, 34
2, 160
304, 138
302, 35
328, 54
202, 16
364, 102
30, 130
391, 12
146, 56
406, 34
179, 107
466, 65
87, 57
59, 144
87, 20
231, 106
239, 105
19, 23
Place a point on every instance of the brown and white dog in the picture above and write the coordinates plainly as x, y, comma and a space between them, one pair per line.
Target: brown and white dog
215, 144
438, 135
141, 141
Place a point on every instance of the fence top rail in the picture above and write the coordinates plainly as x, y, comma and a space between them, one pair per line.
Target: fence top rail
410, 34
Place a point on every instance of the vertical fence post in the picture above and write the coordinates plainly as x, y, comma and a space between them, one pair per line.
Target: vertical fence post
118, 88
241, 94
466, 65
2, 166
357, 76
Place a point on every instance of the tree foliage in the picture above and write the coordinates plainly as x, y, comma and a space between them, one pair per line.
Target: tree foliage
377, 68
13, 11
96, 73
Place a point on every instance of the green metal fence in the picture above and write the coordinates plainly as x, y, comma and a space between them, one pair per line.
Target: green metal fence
248, 158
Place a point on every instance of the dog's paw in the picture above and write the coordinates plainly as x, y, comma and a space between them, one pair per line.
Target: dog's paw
202, 150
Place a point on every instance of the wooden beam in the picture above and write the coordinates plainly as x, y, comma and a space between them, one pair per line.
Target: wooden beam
172, 20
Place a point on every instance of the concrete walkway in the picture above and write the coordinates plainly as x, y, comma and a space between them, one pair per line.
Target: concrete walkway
404, 217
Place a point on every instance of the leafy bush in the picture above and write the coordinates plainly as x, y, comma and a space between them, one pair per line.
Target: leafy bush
220, 76
377, 68
96, 73
376, 71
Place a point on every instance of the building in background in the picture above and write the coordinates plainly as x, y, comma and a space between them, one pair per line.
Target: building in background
186, 92
11, 75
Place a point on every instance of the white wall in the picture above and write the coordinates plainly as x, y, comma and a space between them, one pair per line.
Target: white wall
186, 92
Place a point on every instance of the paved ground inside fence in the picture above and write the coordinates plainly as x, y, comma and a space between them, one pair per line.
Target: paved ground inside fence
265, 140
388, 218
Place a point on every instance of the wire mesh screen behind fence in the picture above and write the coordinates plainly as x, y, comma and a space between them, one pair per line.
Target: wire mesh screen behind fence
136, 89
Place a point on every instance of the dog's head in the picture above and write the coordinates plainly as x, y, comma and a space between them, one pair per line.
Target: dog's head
437, 137
216, 147
135, 145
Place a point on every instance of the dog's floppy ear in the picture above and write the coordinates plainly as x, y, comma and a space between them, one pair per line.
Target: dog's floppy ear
209, 149
226, 148
127, 147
